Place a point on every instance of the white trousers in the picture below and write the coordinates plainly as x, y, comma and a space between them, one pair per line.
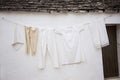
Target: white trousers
48, 44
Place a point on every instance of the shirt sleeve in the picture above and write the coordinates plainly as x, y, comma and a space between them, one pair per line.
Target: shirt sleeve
99, 33
103, 33
18, 37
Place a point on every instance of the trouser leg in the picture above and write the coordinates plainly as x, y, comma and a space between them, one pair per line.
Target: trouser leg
52, 48
27, 37
34, 37
43, 44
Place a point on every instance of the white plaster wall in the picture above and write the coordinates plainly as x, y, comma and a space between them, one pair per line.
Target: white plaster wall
15, 65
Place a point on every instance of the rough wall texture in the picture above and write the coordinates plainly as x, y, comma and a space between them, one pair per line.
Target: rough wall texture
60, 5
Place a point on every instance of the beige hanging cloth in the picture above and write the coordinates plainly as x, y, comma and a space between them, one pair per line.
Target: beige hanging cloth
31, 35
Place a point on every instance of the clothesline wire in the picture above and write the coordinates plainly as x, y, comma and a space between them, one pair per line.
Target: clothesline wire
5, 19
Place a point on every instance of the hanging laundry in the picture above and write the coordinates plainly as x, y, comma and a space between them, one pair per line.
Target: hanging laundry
48, 45
31, 36
99, 33
66, 45
69, 44
18, 38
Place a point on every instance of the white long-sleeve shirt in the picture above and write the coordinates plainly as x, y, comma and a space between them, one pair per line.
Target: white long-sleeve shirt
99, 33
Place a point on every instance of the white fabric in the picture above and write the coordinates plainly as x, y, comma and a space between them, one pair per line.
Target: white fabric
104, 40
99, 33
18, 36
69, 44
48, 45
65, 44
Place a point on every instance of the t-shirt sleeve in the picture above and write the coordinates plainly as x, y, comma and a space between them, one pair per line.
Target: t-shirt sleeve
18, 37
